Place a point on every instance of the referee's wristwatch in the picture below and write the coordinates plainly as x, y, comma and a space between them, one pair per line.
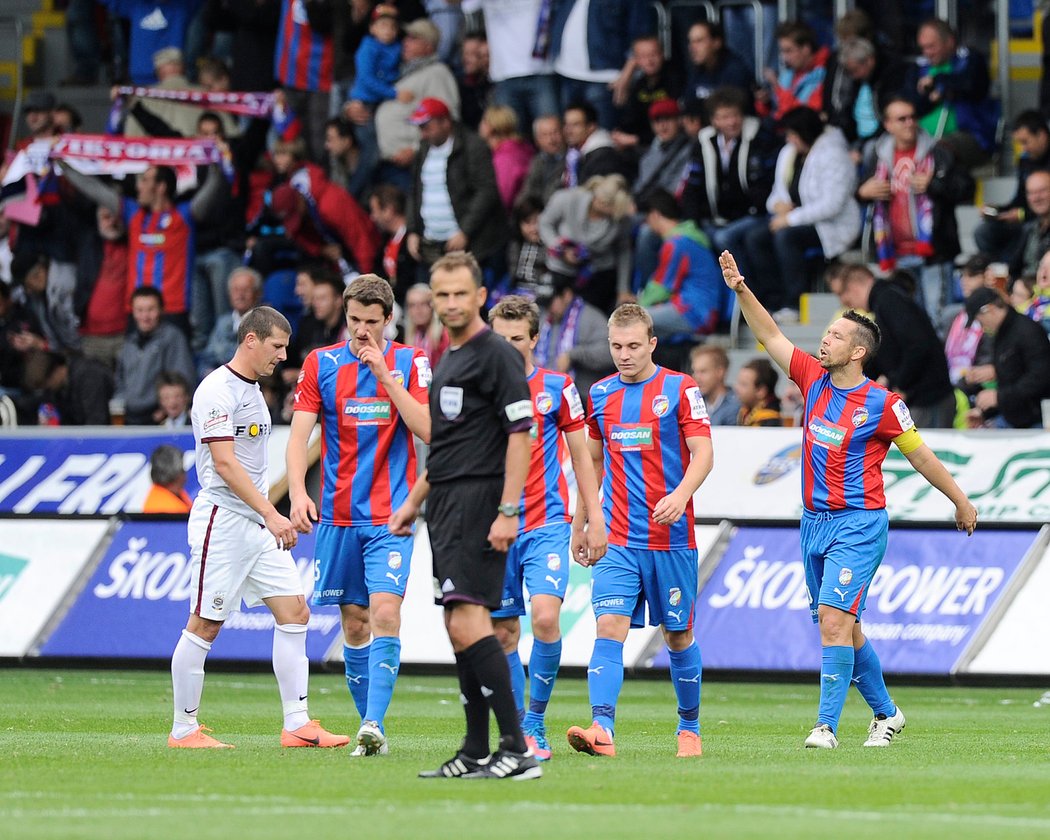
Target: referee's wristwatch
510, 509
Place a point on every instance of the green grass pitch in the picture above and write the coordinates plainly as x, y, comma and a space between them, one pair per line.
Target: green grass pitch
83, 755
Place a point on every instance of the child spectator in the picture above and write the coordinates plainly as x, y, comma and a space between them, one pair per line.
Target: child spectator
378, 59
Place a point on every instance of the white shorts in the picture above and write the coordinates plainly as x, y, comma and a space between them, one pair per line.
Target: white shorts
233, 558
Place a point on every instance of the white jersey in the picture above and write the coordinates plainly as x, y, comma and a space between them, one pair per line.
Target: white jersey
226, 406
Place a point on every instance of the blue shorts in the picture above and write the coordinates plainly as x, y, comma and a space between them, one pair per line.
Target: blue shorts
540, 558
626, 579
352, 562
841, 550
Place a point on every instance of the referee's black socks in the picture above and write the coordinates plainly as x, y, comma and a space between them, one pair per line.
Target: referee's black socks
488, 664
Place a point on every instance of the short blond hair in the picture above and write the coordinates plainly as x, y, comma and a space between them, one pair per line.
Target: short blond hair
459, 259
502, 121
631, 313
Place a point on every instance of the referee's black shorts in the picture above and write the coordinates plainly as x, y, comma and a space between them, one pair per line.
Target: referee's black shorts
466, 567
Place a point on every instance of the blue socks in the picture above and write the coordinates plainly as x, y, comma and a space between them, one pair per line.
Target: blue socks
686, 668
355, 662
604, 680
517, 681
867, 676
836, 672
543, 670
384, 660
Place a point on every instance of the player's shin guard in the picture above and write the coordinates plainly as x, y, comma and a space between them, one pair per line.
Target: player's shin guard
867, 675
187, 681
686, 669
292, 669
489, 663
836, 671
517, 681
355, 665
543, 671
604, 681
384, 660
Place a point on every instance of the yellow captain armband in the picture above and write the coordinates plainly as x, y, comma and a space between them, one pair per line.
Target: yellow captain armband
907, 442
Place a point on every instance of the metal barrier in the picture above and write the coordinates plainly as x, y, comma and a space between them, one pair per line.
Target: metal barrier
19, 29
760, 31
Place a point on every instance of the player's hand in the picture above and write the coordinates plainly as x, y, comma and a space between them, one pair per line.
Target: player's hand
669, 509
597, 540
578, 547
303, 513
401, 520
966, 517
730, 273
372, 356
503, 532
282, 529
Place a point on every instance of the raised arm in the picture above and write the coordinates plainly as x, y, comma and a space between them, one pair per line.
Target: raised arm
93, 188
758, 319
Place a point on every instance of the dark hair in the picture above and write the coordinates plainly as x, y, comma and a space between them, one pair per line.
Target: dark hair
517, 308
25, 262
211, 116
805, 122
529, 205
766, 375
321, 272
866, 335
148, 292
333, 281
977, 264
713, 27
342, 128
166, 175
75, 120
390, 196
213, 66
590, 114
895, 99
659, 200
173, 377
370, 289
1031, 120
726, 97
797, 32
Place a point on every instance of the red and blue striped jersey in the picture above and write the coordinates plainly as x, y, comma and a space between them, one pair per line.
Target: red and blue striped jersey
304, 59
556, 408
847, 435
643, 427
367, 452
161, 252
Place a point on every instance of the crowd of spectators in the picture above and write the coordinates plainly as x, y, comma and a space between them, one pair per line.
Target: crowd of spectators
580, 164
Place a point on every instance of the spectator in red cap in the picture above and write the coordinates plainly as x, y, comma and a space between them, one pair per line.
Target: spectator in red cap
456, 203
663, 166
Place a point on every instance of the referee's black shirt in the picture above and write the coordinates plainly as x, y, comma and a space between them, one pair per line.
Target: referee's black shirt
479, 396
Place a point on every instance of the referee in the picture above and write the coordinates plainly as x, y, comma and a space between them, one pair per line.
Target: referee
479, 457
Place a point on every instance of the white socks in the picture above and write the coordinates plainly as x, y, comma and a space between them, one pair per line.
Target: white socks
187, 681
292, 669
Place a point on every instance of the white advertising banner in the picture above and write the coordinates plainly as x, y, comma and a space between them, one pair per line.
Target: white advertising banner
423, 636
39, 561
757, 476
1017, 645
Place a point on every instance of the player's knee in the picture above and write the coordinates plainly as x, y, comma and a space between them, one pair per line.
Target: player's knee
385, 619
507, 634
545, 624
204, 628
356, 630
678, 639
